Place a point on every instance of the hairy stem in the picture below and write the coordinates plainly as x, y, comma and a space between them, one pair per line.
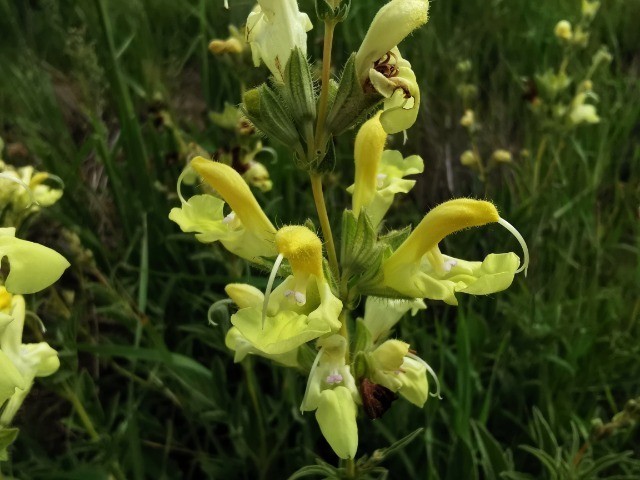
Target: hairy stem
321, 207
329, 27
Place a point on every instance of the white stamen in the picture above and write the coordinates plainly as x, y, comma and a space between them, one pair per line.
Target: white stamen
431, 372
229, 218
381, 177
449, 264
299, 297
523, 244
267, 293
334, 378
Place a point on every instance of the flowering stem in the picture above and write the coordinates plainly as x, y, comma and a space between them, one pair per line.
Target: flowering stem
329, 27
351, 468
344, 330
321, 207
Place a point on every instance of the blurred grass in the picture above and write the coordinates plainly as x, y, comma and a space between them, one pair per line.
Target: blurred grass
161, 396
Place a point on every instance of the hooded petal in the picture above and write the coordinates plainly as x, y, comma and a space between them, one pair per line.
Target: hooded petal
443, 220
32, 267
235, 191
336, 416
393, 22
368, 150
389, 178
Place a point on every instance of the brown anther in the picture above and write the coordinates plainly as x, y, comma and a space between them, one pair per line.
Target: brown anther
385, 67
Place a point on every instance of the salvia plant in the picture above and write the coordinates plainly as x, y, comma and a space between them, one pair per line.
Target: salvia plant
304, 319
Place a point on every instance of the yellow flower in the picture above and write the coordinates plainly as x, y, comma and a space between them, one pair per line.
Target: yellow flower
302, 308
393, 366
563, 30
417, 269
246, 231
331, 391
379, 63
235, 43
380, 173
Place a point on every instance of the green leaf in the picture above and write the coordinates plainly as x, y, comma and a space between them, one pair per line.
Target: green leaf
494, 459
383, 453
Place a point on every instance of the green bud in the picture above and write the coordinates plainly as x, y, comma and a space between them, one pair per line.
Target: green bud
264, 107
332, 10
360, 365
299, 87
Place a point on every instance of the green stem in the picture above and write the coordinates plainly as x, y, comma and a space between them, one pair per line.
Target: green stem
351, 468
329, 27
344, 330
321, 207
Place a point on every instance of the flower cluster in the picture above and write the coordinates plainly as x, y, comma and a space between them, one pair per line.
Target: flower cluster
359, 365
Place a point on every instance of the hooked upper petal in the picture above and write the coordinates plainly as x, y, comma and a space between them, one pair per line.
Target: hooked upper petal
393, 22
443, 220
235, 191
368, 150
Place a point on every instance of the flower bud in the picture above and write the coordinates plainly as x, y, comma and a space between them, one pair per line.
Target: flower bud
563, 30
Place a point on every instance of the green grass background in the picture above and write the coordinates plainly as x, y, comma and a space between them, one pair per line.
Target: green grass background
147, 388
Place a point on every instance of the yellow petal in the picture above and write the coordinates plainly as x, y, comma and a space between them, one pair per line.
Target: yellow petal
368, 150
336, 416
32, 267
302, 248
443, 220
235, 191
